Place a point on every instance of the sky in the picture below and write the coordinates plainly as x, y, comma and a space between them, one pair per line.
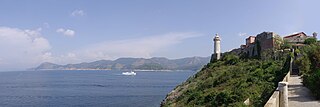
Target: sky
74, 31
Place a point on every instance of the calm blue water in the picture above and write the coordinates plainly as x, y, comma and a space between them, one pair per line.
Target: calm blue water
87, 88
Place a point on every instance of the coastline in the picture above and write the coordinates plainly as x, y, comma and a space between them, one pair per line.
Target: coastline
138, 70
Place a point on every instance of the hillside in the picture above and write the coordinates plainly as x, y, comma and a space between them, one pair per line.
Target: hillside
156, 63
229, 82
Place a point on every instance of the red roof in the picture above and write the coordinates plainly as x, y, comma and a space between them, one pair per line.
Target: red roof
297, 34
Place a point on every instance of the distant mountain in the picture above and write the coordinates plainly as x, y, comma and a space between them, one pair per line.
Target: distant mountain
155, 63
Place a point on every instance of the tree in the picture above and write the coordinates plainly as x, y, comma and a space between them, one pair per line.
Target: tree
286, 45
231, 59
310, 41
267, 54
304, 63
278, 42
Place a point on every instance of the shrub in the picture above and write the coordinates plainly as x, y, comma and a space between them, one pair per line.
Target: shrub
286, 45
312, 81
231, 59
230, 81
310, 66
304, 64
310, 41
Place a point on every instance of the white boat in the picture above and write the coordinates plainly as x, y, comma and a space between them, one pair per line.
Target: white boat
129, 73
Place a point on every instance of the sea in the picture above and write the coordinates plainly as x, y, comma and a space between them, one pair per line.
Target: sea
87, 88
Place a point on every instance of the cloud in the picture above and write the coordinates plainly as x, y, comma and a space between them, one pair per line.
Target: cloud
140, 47
242, 34
21, 48
78, 13
66, 32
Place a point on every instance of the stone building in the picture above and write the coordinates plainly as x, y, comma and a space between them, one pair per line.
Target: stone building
250, 40
264, 40
297, 38
268, 40
251, 50
255, 45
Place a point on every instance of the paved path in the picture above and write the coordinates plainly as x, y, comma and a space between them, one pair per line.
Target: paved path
300, 96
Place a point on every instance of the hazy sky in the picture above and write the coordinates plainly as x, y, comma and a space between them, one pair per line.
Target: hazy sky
72, 31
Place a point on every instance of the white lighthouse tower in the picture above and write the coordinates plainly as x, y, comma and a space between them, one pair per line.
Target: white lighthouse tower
217, 51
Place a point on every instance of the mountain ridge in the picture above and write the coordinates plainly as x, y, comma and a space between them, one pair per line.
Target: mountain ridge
154, 63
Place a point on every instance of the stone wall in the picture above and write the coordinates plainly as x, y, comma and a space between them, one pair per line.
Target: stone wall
275, 100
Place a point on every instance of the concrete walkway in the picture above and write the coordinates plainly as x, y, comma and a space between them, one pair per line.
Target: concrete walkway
300, 96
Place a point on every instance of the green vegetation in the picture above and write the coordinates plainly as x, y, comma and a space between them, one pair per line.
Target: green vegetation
153, 66
229, 82
286, 45
310, 41
309, 65
278, 42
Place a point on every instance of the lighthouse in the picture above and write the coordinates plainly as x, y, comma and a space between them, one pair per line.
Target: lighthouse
216, 51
